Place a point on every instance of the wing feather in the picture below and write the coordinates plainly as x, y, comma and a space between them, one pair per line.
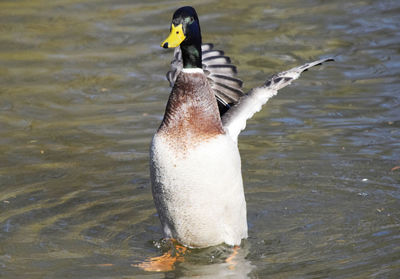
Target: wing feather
220, 73
234, 120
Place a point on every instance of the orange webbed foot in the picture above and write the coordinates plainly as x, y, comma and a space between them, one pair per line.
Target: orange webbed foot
166, 262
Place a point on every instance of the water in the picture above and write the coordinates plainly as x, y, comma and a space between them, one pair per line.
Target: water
82, 90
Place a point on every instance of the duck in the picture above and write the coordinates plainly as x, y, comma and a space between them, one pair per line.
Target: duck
195, 165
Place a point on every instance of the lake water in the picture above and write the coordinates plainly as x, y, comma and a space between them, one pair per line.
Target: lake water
83, 89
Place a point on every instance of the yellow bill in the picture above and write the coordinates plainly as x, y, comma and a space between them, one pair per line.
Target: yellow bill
175, 38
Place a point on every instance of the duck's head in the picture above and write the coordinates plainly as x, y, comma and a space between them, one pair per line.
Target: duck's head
185, 32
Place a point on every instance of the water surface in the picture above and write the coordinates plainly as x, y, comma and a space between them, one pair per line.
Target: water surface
82, 90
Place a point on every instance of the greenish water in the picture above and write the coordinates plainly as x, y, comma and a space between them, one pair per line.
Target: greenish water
82, 90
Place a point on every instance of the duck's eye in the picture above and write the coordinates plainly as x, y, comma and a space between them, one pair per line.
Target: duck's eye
177, 32
191, 19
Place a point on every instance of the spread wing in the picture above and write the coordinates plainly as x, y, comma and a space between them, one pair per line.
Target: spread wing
234, 120
220, 73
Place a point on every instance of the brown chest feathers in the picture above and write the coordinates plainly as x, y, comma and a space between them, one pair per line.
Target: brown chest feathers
192, 112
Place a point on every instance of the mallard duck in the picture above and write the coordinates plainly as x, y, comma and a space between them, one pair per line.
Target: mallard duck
194, 157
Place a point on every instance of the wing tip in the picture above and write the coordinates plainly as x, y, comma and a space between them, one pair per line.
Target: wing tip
278, 78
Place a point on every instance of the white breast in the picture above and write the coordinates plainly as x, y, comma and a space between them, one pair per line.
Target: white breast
198, 191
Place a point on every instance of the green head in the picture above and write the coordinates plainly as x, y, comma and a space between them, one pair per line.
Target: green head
185, 32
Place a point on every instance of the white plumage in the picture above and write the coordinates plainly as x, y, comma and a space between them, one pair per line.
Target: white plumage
199, 192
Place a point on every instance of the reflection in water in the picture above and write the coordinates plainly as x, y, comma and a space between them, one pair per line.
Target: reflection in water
213, 262
238, 267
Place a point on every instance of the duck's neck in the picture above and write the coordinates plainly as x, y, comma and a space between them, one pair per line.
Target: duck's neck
191, 55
